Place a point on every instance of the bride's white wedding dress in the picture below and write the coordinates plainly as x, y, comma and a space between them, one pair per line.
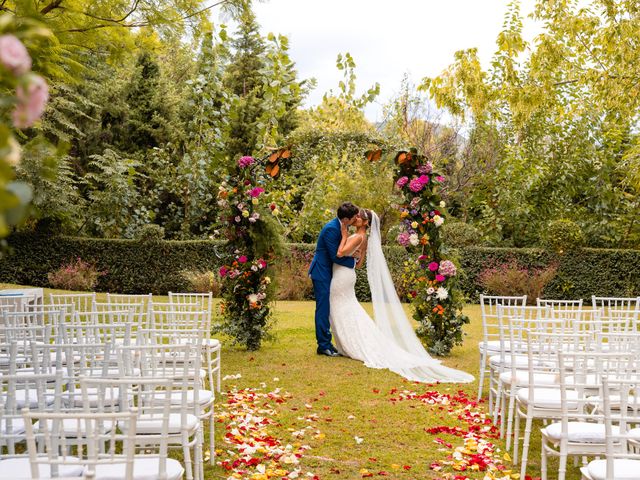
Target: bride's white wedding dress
390, 341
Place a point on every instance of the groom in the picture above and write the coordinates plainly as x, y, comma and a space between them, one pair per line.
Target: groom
321, 271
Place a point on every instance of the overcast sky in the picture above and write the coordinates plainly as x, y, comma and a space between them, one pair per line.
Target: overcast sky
387, 38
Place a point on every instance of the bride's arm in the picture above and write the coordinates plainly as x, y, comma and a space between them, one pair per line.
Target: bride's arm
348, 245
363, 253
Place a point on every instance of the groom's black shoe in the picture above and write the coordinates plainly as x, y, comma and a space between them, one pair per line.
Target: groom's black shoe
328, 352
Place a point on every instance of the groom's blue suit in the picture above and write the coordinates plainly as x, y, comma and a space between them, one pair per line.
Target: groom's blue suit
321, 271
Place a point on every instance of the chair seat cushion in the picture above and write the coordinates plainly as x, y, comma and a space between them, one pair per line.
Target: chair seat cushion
204, 397
548, 397
623, 469
149, 424
17, 468
16, 426
521, 361
579, 432
144, 468
29, 398
522, 378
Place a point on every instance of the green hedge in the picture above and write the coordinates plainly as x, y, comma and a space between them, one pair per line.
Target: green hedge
581, 273
135, 267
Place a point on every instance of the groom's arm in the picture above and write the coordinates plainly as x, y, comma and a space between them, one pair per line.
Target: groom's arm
332, 242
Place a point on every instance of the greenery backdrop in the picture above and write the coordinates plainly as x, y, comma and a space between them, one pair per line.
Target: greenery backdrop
151, 103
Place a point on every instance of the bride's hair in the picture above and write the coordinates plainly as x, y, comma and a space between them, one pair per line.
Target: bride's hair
366, 215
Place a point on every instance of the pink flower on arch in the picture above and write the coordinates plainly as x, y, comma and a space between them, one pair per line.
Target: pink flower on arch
423, 179
433, 266
416, 185
245, 161
440, 179
242, 259
223, 271
256, 192
402, 181
447, 268
440, 278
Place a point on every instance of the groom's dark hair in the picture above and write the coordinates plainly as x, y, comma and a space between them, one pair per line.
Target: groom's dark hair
347, 210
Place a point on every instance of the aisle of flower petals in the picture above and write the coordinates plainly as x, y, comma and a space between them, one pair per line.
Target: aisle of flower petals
255, 450
472, 452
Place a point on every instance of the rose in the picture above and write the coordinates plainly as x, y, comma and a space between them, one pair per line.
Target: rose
440, 278
414, 225
245, 161
414, 239
402, 181
223, 271
442, 204
416, 185
262, 263
273, 206
438, 220
245, 213
31, 102
433, 266
242, 259
423, 179
14, 55
256, 192
238, 219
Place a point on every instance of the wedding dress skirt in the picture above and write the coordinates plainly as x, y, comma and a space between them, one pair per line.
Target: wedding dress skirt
357, 336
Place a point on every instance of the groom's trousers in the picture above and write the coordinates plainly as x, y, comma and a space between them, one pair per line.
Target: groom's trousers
323, 329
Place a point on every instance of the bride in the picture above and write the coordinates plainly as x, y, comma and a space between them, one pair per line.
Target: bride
389, 341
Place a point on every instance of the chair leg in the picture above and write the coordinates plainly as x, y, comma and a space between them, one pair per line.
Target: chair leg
516, 437
562, 470
212, 439
483, 359
525, 444
543, 461
499, 408
512, 401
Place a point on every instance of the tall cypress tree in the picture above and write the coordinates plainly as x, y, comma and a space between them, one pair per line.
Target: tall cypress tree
244, 79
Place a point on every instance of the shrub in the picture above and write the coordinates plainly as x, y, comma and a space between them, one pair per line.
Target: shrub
563, 235
203, 282
292, 277
75, 275
460, 234
150, 233
514, 279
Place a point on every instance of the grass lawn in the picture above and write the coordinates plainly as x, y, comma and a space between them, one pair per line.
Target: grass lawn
340, 399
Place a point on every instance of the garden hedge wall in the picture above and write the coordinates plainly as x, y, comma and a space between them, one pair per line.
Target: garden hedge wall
132, 266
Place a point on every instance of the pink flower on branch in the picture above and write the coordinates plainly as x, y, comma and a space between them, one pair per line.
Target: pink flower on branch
31, 102
13, 55
246, 161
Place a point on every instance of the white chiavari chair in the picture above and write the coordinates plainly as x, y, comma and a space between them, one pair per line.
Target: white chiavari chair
41, 392
106, 452
181, 363
81, 302
562, 304
155, 398
542, 401
621, 405
212, 346
580, 432
491, 342
514, 363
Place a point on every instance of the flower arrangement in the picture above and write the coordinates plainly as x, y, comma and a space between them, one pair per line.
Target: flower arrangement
437, 302
252, 243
